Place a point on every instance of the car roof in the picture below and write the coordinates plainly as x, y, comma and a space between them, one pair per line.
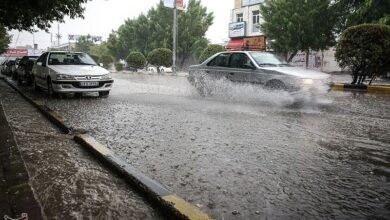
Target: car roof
65, 51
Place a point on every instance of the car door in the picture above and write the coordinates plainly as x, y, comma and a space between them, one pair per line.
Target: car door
219, 66
40, 70
241, 69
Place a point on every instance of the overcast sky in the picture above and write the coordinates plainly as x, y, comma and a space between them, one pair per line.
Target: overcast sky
102, 16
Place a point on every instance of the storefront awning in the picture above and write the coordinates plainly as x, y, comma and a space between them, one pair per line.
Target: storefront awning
235, 44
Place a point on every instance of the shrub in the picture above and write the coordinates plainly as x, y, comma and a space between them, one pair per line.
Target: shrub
210, 50
136, 60
365, 50
118, 66
106, 60
160, 57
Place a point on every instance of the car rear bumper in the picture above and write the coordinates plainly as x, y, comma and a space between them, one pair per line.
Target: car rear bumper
74, 86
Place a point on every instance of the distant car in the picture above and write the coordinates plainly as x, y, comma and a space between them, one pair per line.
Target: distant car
3, 66
14, 68
256, 67
164, 69
70, 72
152, 69
24, 69
8, 67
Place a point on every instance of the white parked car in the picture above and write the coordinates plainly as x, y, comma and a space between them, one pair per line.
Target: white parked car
152, 69
70, 72
164, 69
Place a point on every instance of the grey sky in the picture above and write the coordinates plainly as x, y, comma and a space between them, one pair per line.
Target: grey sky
102, 16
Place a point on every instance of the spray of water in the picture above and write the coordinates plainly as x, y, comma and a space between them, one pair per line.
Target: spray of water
225, 89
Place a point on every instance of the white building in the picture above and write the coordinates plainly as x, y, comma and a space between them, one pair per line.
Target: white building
244, 29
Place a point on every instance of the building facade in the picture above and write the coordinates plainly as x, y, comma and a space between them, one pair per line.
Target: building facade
244, 28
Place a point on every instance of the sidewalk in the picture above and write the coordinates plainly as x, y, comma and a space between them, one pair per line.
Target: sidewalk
66, 181
16, 196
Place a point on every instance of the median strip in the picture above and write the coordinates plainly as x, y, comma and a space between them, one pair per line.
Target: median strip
172, 205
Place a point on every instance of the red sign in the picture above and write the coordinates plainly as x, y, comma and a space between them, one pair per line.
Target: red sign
12, 52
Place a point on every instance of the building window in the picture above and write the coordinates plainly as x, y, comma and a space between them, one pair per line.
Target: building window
240, 17
256, 21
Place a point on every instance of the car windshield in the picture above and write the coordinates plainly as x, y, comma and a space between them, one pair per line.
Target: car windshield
70, 59
268, 59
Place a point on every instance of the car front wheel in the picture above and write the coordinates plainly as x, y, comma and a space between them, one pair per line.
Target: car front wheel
50, 91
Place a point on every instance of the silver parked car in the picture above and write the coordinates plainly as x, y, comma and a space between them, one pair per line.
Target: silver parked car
70, 72
256, 67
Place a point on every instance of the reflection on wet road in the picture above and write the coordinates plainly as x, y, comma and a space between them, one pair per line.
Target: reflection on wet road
246, 153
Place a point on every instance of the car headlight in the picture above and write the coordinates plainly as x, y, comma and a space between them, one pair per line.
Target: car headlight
106, 76
64, 77
308, 81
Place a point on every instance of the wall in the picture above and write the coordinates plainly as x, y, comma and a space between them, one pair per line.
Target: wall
321, 61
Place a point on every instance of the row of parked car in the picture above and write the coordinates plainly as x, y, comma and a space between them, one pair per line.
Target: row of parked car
60, 72
19, 69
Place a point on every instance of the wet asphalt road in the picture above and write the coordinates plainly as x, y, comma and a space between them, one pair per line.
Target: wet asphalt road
246, 153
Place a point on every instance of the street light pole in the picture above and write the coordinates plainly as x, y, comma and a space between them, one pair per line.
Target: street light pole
174, 38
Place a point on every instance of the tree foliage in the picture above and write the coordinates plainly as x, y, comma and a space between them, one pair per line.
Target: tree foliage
106, 60
354, 12
154, 30
118, 66
209, 51
25, 15
5, 39
136, 60
291, 26
365, 50
160, 57
84, 44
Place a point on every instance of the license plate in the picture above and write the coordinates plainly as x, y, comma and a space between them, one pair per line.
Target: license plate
89, 83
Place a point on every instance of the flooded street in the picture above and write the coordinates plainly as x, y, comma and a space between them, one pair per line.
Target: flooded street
245, 153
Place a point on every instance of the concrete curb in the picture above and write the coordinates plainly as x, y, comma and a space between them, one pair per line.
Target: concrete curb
174, 206
361, 87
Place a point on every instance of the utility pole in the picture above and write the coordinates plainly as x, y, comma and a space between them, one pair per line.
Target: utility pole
58, 33
174, 38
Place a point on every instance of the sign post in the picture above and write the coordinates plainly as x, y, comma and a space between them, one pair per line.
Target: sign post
174, 38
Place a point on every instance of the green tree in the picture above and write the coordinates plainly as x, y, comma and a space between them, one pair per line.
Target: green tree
118, 66
99, 49
209, 51
136, 60
154, 30
291, 26
25, 15
114, 46
106, 60
84, 44
365, 50
160, 57
193, 25
354, 12
5, 39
